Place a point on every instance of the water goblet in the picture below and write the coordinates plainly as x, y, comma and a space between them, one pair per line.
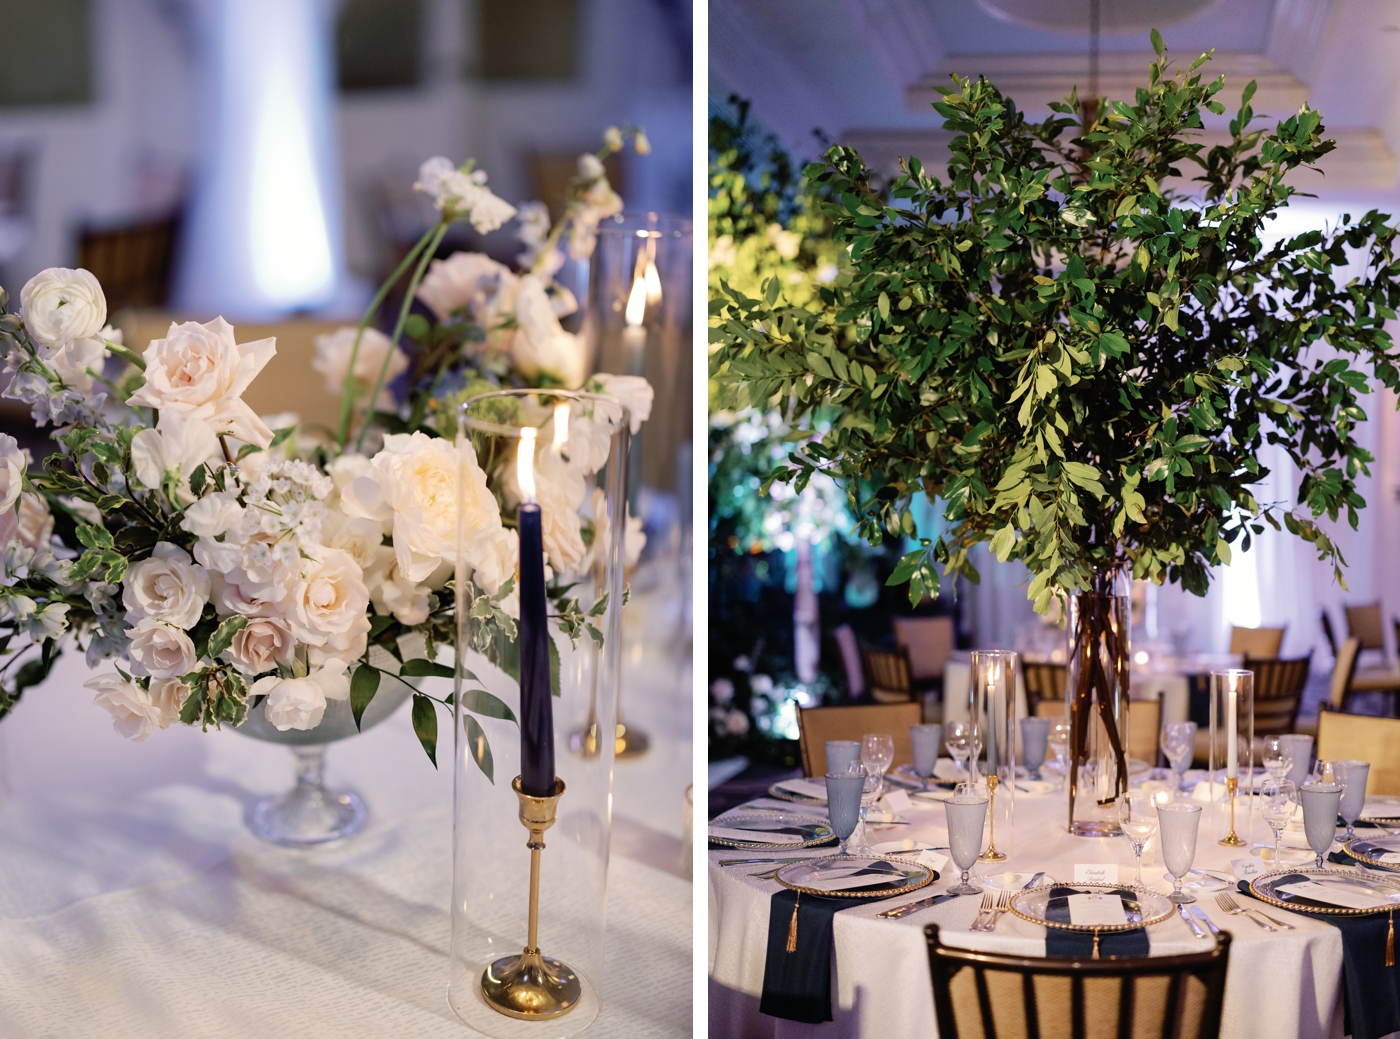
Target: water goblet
1278, 799
925, 739
1320, 803
1179, 823
1278, 756
876, 753
1353, 775
957, 738
844, 792
1058, 741
966, 812
1137, 818
1179, 745
841, 754
1035, 737
1300, 750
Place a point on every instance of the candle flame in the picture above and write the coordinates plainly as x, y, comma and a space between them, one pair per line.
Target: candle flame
525, 463
561, 426
653, 283
1162, 797
637, 302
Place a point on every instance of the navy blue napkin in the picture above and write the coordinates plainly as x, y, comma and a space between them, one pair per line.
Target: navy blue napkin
1370, 989
797, 985
1080, 944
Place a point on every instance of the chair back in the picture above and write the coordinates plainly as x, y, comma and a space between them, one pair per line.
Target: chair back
928, 641
1328, 633
134, 263
1278, 691
985, 995
846, 642
1044, 681
1144, 726
1256, 643
887, 674
1363, 738
816, 725
1365, 623
1342, 673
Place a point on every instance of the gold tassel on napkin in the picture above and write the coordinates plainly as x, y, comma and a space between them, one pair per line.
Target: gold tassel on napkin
792, 927
1389, 940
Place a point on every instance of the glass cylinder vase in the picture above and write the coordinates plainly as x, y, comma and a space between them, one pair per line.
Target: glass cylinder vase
1096, 705
1231, 754
530, 872
992, 709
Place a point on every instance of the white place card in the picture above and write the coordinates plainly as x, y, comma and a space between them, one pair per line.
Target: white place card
934, 860
1096, 910
805, 787
728, 833
897, 801
1095, 873
1335, 894
848, 880
1390, 856
1247, 867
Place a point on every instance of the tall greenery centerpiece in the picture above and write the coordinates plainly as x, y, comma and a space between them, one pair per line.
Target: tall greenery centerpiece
1075, 354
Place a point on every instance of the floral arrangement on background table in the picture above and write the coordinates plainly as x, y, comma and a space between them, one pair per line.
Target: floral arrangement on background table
224, 563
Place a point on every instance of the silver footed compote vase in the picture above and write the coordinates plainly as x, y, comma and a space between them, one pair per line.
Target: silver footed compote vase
309, 813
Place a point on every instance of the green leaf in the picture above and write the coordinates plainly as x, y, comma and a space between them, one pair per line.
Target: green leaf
425, 725
95, 537
223, 634
420, 668
1158, 47
553, 667
483, 703
279, 436
364, 683
479, 747
245, 451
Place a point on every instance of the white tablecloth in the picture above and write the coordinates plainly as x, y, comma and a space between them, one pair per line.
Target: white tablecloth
134, 902
1279, 986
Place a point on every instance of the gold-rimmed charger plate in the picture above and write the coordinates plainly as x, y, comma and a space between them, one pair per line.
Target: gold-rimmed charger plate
1142, 907
1371, 850
909, 778
1265, 888
812, 832
780, 792
906, 875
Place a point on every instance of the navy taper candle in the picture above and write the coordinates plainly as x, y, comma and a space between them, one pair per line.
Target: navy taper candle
536, 706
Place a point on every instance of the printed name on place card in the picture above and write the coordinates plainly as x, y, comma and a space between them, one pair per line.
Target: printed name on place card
1095, 873
1334, 894
933, 860
1245, 869
1096, 910
898, 801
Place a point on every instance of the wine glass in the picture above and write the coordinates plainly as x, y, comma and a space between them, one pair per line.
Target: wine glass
957, 737
924, 740
974, 745
1035, 734
1352, 775
1278, 799
844, 792
876, 753
1278, 756
1137, 818
1179, 745
1179, 823
1320, 803
966, 812
1058, 741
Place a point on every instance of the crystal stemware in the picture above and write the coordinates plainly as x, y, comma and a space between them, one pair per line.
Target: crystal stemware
1353, 776
844, 792
1179, 745
1035, 737
924, 740
966, 813
1278, 756
841, 754
1137, 818
957, 737
1320, 803
1058, 741
1179, 823
1278, 800
876, 753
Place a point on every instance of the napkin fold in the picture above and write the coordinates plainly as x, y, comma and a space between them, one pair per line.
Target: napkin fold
1370, 989
1080, 944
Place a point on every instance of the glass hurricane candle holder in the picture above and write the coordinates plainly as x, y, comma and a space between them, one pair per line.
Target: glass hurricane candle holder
992, 708
497, 906
1232, 742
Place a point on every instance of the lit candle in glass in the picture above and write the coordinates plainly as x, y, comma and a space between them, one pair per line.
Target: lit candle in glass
536, 707
1232, 751
634, 334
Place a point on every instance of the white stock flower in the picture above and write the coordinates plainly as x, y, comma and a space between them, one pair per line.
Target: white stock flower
260, 645
167, 586
457, 194
200, 372
414, 486
633, 391
29, 522
59, 305
159, 650
134, 714
13, 463
177, 444
299, 703
333, 360
469, 281
540, 345
48, 622
596, 203
329, 600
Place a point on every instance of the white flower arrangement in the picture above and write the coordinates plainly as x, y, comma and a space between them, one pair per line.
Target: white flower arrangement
223, 563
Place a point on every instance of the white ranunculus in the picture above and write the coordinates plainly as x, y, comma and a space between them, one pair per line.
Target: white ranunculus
328, 599
333, 360
13, 463
458, 194
469, 281
178, 444
29, 522
414, 484
260, 645
134, 714
633, 391
59, 305
159, 650
299, 703
167, 586
540, 345
168, 695
405, 599
200, 372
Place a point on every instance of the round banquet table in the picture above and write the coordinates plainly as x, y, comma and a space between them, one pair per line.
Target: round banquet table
1279, 986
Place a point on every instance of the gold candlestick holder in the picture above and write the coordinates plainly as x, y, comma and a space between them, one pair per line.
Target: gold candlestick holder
531, 986
1230, 840
991, 854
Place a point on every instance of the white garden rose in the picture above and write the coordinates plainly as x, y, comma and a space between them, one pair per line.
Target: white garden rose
633, 391
561, 527
13, 463
540, 345
167, 586
414, 485
333, 360
178, 444
406, 600
168, 695
470, 281
59, 305
363, 540
260, 645
199, 372
29, 522
159, 650
134, 714
328, 599
299, 703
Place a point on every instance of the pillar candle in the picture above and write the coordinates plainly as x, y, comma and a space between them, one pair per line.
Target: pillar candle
1232, 752
536, 704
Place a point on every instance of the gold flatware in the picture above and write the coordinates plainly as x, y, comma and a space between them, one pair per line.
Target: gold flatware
1228, 904
988, 904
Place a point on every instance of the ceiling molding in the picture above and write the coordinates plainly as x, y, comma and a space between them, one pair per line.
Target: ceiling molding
902, 36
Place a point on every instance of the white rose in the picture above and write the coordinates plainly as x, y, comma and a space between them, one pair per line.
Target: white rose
59, 305
212, 515
168, 586
13, 463
299, 703
168, 695
228, 597
472, 282
134, 714
540, 345
178, 444
30, 523
414, 484
633, 391
407, 601
200, 372
333, 360
159, 650
363, 540
560, 525
260, 645
328, 599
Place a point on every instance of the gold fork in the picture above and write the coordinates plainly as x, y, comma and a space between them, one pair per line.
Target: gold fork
1229, 905
988, 906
